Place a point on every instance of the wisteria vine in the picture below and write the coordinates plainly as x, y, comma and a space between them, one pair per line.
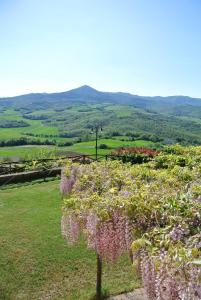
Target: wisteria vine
154, 211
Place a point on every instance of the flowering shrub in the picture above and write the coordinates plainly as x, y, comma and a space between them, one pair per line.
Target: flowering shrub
154, 212
178, 156
134, 155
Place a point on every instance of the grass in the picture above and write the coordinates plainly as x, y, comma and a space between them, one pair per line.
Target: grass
35, 261
36, 126
89, 147
27, 152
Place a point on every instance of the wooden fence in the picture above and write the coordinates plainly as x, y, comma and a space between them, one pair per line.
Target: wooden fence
28, 176
28, 170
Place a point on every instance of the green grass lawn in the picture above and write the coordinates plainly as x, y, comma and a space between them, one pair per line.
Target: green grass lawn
35, 261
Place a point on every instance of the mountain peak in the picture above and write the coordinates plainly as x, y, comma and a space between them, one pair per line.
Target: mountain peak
86, 88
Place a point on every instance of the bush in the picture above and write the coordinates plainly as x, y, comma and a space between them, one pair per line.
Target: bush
154, 213
67, 144
134, 155
104, 146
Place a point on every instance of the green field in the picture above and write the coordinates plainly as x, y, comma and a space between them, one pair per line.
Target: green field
29, 152
35, 261
35, 126
25, 152
89, 147
61, 118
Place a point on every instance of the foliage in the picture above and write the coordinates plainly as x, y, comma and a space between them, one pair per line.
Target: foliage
178, 156
104, 146
12, 124
24, 141
134, 155
155, 211
69, 115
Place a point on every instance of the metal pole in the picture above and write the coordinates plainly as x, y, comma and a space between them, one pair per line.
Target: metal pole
99, 278
96, 143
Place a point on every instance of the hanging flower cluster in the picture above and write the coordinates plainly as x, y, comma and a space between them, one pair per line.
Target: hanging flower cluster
108, 230
166, 283
155, 212
109, 238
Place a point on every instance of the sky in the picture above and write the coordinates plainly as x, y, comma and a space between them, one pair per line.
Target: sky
145, 47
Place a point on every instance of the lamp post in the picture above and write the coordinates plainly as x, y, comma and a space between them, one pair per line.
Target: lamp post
96, 129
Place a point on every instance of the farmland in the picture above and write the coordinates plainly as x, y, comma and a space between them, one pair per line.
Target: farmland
30, 151
64, 119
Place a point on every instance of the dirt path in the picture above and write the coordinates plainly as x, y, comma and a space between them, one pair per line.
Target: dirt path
138, 294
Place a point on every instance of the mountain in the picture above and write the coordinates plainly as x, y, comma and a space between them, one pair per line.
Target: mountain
175, 118
89, 95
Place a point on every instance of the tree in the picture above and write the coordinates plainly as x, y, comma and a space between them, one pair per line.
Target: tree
153, 212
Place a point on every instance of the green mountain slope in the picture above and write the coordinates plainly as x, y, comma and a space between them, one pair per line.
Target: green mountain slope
70, 114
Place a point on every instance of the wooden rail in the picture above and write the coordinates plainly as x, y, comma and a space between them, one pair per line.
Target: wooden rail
28, 176
14, 172
24, 165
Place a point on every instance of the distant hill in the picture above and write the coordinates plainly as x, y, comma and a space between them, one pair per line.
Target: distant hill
88, 94
174, 118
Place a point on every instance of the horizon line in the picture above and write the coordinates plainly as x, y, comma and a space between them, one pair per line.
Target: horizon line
88, 86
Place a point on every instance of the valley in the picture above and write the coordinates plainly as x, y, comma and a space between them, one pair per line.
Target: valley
63, 121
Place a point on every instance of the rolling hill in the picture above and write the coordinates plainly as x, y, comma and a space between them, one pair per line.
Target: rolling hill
69, 114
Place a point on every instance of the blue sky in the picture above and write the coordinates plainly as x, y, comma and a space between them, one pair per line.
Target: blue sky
146, 47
